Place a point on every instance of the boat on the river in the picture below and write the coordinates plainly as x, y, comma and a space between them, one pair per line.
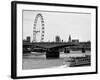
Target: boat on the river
80, 61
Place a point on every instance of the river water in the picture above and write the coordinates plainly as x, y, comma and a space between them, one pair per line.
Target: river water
38, 61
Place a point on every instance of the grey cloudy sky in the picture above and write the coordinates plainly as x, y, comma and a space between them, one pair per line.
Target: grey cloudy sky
78, 25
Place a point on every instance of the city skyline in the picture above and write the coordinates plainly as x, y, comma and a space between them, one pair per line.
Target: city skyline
60, 40
78, 25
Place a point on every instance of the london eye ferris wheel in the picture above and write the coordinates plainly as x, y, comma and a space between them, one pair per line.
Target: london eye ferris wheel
38, 28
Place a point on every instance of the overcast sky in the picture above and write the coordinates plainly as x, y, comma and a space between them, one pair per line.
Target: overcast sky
78, 25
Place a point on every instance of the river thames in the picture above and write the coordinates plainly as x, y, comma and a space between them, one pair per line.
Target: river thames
39, 61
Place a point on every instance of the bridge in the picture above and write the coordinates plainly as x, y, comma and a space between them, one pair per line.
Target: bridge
52, 49
48, 45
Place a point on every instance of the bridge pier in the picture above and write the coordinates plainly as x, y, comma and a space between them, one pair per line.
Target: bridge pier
83, 50
52, 54
67, 50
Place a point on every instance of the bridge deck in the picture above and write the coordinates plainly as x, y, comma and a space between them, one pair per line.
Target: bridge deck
50, 44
